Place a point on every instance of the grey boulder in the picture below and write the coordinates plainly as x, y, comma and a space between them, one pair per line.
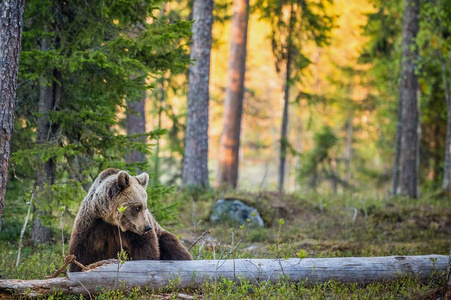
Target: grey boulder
235, 211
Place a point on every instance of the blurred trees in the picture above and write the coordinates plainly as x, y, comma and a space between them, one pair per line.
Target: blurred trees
233, 104
11, 25
384, 52
167, 106
49, 101
293, 25
195, 169
83, 65
435, 43
319, 161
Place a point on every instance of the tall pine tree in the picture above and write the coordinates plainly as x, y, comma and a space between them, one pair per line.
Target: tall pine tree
233, 104
11, 24
195, 169
409, 101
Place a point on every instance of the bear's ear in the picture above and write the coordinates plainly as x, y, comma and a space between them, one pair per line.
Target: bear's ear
143, 179
123, 180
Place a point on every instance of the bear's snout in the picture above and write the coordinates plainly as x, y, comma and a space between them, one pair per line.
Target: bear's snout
148, 227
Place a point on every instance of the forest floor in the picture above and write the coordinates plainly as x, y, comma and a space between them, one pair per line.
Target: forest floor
313, 226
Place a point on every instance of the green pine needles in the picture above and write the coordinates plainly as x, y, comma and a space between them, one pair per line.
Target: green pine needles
80, 60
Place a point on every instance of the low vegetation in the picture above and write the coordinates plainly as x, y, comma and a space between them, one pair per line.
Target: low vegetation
309, 225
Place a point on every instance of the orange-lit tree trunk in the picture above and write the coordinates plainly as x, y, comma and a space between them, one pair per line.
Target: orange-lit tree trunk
195, 168
11, 24
409, 101
233, 106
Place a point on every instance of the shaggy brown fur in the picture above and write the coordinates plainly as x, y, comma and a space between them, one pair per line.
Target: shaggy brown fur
96, 231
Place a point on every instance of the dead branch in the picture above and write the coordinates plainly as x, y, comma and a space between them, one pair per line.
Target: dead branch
159, 274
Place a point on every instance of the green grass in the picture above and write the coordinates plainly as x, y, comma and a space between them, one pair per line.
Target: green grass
314, 226
35, 262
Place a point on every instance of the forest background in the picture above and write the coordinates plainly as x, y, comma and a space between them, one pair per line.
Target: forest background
332, 118
92, 75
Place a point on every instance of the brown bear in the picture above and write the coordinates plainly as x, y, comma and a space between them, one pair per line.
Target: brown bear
95, 235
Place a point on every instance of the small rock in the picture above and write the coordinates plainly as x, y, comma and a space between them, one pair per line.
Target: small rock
252, 248
235, 210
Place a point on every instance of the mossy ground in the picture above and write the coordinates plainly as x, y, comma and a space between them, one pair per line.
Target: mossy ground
314, 226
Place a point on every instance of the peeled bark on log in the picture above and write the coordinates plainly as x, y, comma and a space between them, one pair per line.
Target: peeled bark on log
180, 274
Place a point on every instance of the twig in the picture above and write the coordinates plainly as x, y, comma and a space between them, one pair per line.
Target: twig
257, 280
278, 240
201, 246
62, 229
193, 212
120, 258
184, 296
22, 232
264, 177
448, 271
90, 297
281, 267
269, 277
197, 241
21, 181
233, 253
80, 265
354, 215
365, 212
234, 248
69, 259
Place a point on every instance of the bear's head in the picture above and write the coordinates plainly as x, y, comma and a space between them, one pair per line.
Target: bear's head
129, 203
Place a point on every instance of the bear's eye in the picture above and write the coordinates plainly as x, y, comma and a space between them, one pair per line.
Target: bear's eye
138, 208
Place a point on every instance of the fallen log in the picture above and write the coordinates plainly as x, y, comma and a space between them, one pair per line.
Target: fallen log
179, 274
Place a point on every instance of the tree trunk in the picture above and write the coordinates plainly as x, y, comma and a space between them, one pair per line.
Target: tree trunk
233, 107
448, 272
161, 98
409, 100
437, 160
396, 164
348, 152
153, 274
195, 169
49, 98
136, 124
297, 158
286, 103
446, 183
11, 24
